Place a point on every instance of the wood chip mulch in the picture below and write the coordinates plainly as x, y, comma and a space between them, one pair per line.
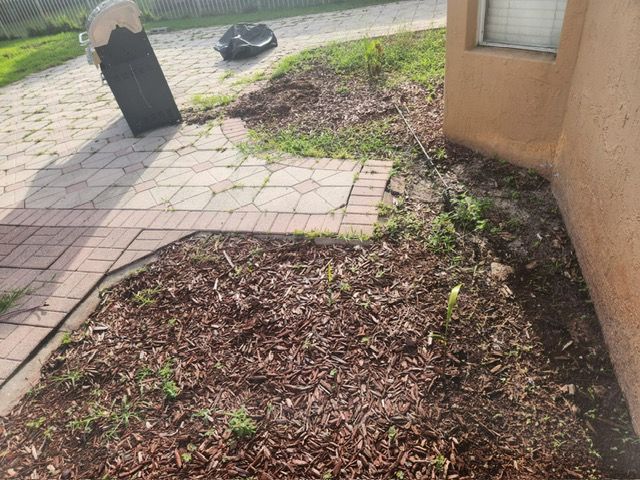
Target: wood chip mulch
332, 351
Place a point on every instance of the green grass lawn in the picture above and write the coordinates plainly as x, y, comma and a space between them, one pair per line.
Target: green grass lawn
19, 58
261, 16
417, 57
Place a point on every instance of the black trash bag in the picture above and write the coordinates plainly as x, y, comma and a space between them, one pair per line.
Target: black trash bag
246, 40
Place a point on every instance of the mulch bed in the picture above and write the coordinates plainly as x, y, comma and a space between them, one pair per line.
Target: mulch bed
338, 352
328, 348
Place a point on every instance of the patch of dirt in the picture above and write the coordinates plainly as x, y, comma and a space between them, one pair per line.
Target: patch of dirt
200, 116
313, 100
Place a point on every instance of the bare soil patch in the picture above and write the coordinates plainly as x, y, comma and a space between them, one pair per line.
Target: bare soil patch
312, 100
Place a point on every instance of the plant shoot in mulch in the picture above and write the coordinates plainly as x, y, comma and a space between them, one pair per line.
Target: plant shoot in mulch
241, 424
451, 305
146, 297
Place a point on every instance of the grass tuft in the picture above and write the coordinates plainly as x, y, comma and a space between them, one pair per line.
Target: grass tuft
209, 102
364, 142
252, 78
10, 298
146, 297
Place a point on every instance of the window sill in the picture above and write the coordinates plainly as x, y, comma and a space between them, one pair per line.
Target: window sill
514, 53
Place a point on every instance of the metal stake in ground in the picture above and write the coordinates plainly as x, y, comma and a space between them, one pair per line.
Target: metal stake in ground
445, 194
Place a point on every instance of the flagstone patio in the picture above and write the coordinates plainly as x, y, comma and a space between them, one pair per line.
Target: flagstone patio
80, 197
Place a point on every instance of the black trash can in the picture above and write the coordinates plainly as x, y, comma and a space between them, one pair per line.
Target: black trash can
120, 46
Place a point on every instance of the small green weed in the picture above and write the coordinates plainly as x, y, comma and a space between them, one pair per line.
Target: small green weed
439, 463
203, 413
87, 423
313, 234
252, 78
170, 389
143, 373
374, 58
468, 212
36, 424
385, 209
400, 224
10, 298
241, 424
467, 215
209, 102
329, 273
71, 377
146, 297
67, 339
200, 255
169, 386
442, 238
121, 416
440, 154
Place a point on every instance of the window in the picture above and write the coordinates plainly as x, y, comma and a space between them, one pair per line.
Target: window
527, 24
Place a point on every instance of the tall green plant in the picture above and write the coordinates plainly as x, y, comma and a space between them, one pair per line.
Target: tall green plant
374, 57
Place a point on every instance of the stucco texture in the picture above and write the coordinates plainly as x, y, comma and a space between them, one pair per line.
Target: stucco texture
596, 178
576, 119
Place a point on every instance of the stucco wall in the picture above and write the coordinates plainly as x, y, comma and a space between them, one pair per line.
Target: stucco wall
575, 118
596, 178
507, 102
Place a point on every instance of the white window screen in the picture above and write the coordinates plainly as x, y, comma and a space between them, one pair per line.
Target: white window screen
530, 24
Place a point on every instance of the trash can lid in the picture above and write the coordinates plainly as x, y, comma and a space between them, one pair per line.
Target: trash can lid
109, 15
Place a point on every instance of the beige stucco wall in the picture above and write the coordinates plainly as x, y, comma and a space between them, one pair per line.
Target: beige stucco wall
577, 118
507, 102
596, 178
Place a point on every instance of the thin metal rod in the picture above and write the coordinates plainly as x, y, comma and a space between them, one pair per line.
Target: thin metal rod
424, 150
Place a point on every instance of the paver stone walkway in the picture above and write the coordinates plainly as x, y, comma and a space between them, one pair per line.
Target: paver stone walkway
81, 197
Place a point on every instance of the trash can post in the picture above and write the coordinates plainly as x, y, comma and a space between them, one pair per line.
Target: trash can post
120, 47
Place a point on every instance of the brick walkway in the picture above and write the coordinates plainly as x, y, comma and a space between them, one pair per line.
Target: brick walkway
80, 197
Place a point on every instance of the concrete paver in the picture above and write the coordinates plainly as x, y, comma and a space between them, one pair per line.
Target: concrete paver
81, 197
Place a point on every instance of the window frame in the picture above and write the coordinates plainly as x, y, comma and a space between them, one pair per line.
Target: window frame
482, 12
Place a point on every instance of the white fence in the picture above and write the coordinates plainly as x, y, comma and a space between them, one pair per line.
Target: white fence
20, 18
